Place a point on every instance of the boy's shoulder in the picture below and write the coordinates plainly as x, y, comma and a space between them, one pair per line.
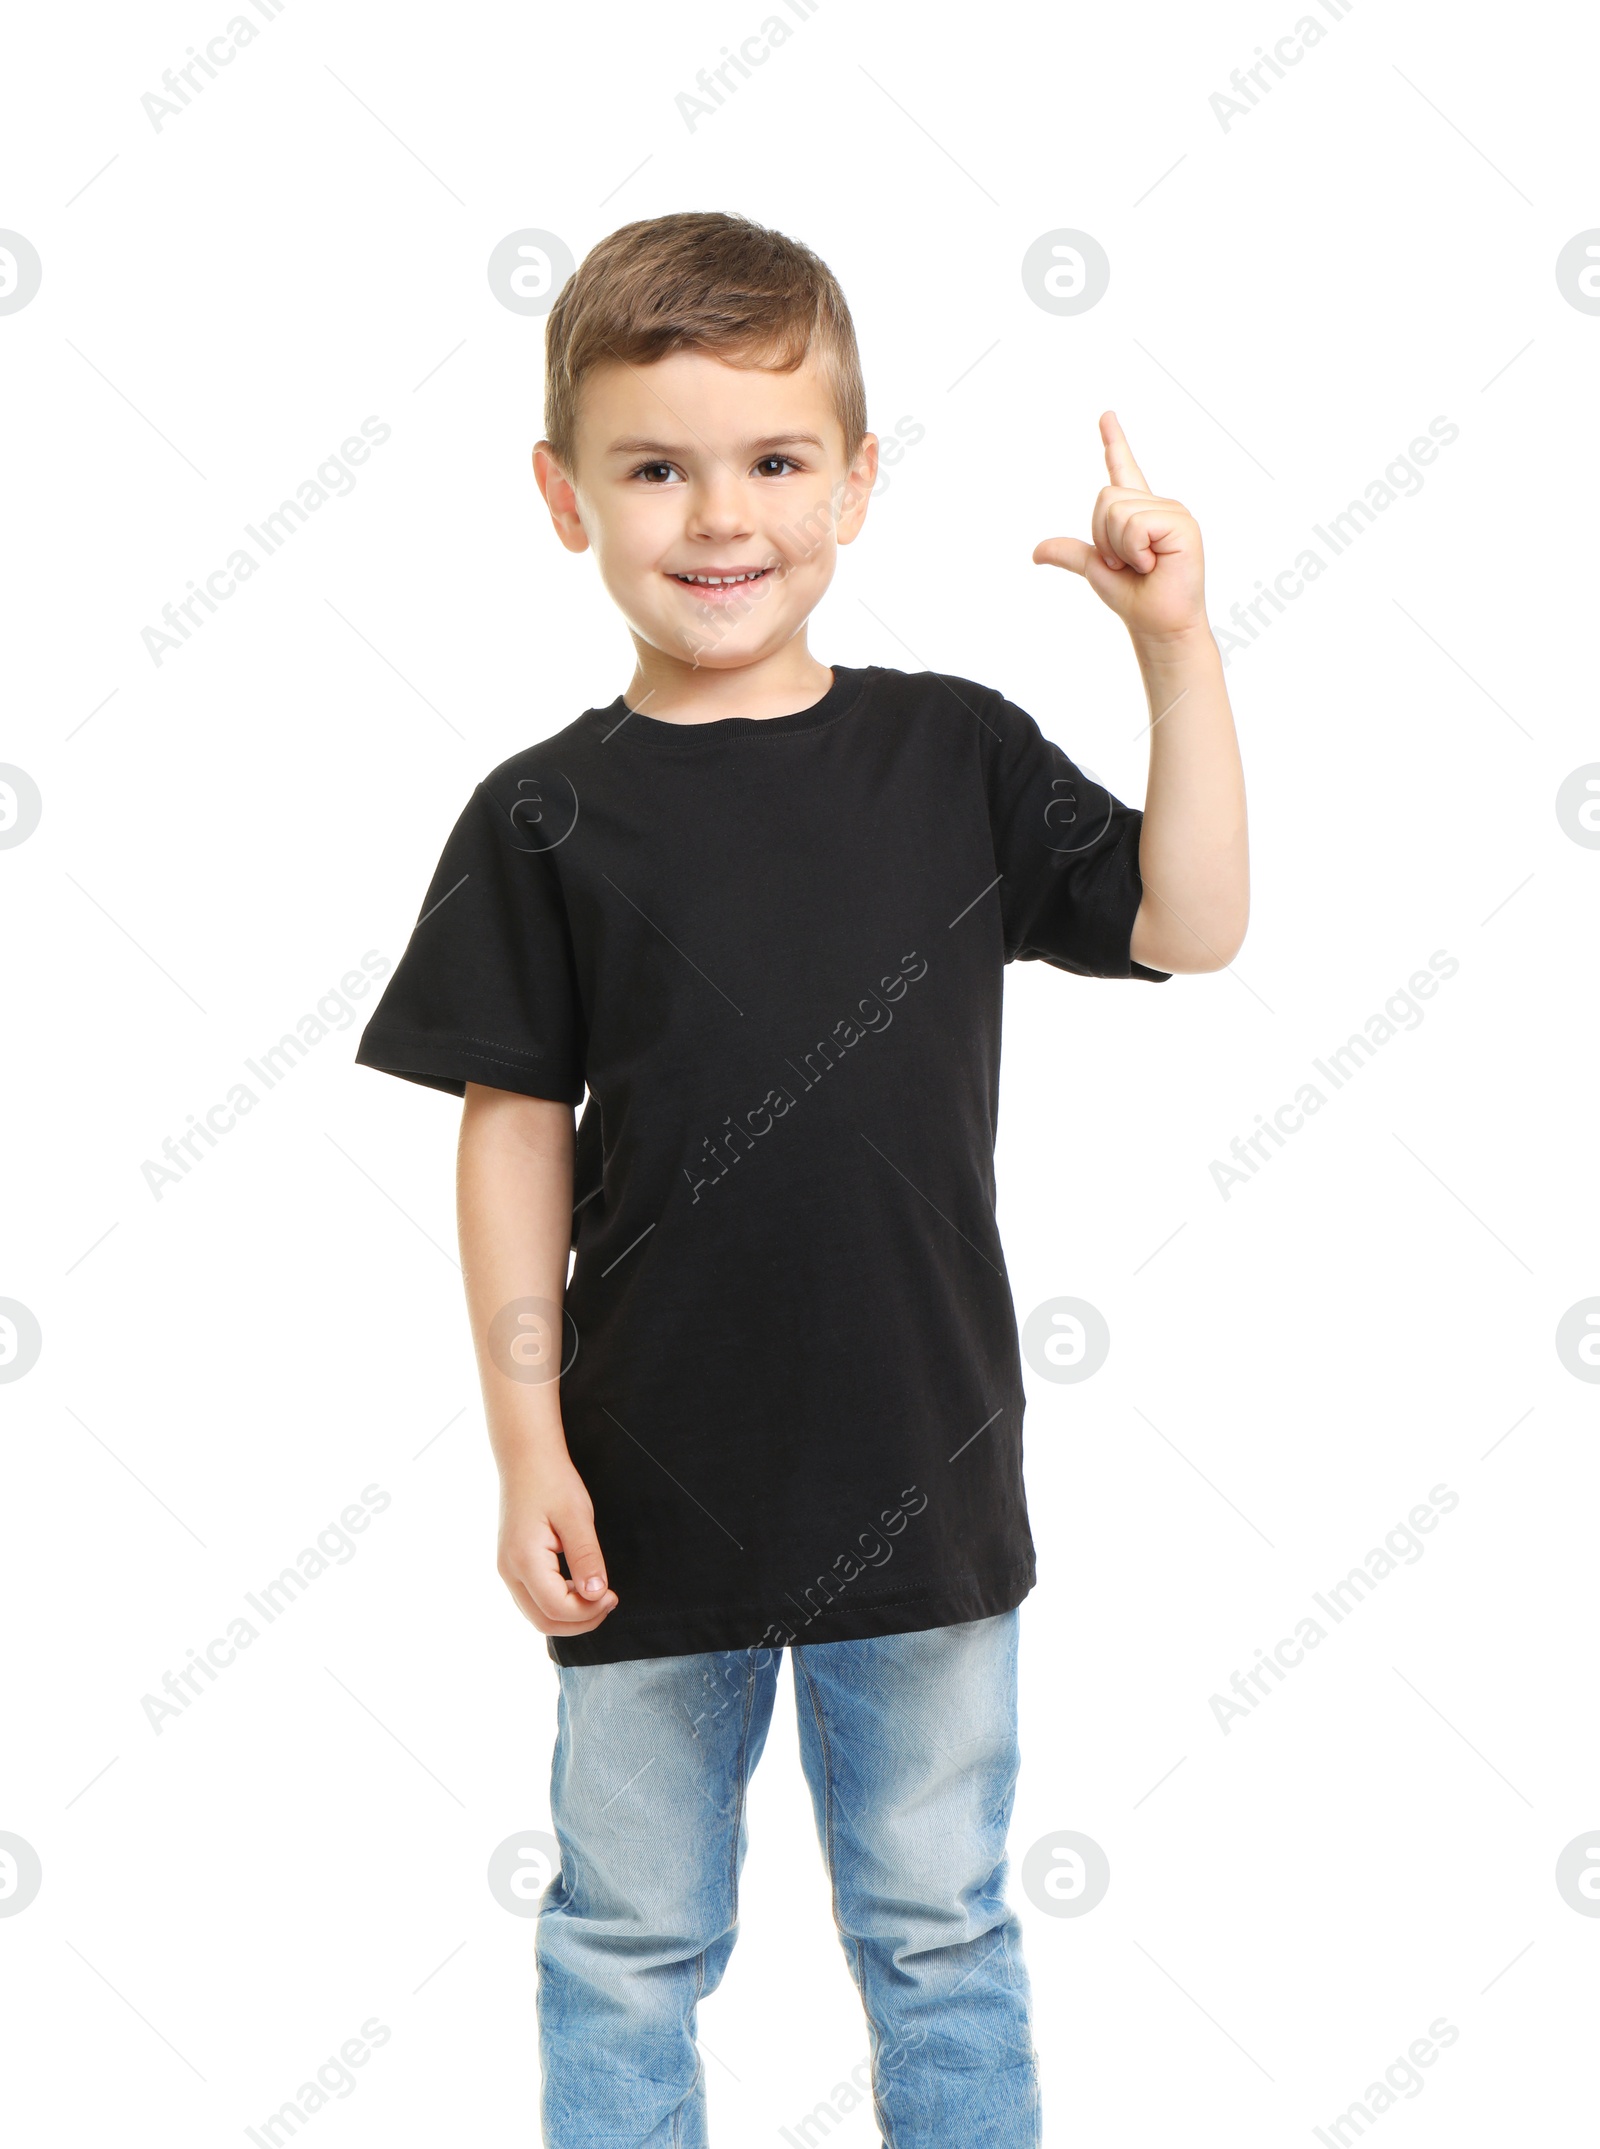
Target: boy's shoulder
530, 762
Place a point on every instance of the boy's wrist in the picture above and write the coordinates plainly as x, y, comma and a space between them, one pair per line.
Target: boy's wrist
1176, 647
531, 1446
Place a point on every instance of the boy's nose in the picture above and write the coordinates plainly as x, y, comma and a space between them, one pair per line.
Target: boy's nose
720, 510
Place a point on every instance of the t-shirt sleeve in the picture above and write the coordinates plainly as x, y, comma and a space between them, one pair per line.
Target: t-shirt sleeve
486, 990
1067, 851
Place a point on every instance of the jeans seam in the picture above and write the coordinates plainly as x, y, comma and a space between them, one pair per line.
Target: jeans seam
851, 1939
740, 1775
699, 2070
743, 1780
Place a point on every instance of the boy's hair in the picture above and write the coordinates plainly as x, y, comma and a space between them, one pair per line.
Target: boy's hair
699, 280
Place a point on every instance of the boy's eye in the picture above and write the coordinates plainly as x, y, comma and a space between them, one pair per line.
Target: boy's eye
661, 473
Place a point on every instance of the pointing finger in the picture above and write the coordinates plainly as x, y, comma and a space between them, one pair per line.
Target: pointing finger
1120, 464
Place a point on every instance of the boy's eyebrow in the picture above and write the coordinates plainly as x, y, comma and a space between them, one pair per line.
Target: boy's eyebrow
748, 447
785, 440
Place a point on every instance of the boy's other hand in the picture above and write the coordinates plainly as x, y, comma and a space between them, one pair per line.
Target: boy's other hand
545, 1513
1144, 558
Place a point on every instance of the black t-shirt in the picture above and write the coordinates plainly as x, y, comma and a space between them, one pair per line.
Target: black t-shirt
771, 950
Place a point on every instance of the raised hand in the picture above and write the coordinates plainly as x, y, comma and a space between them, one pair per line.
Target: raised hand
1145, 558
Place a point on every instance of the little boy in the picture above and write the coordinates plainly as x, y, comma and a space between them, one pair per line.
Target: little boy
759, 909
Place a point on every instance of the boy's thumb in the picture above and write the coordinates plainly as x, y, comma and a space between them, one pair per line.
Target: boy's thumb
582, 1550
1069, 552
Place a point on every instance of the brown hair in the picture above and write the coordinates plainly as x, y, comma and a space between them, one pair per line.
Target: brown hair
699, 280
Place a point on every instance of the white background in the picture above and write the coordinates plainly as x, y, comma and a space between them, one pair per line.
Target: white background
225, 834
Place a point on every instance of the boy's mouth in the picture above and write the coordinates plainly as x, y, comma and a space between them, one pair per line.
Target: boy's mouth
721, 584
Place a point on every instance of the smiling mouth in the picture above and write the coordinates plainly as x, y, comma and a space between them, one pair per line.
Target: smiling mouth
725, 583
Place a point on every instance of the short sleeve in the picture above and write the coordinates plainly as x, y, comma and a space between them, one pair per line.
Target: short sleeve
1067, 852
486, 990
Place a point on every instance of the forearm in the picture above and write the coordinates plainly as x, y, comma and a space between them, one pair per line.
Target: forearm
514, 1217
1193, 856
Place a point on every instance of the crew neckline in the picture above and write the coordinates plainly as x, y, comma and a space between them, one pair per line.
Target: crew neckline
617, 720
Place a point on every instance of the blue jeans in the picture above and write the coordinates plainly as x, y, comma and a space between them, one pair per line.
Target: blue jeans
909, 1746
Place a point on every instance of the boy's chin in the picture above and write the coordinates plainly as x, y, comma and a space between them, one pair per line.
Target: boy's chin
724, 659
730, 653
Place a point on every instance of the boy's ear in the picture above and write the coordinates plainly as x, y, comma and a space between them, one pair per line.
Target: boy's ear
559, 497
862, 476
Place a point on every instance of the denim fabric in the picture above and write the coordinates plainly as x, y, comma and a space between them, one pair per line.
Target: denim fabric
909, 1747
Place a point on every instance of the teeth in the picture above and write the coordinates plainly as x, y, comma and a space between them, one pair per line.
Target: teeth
722, 581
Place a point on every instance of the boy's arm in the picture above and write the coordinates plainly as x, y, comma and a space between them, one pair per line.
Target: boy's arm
514, 1215
1193, 854
1145, 562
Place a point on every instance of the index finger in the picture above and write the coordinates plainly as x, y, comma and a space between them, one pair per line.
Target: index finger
1120, 464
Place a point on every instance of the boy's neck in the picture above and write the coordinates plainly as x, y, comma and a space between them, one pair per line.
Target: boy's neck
788, 680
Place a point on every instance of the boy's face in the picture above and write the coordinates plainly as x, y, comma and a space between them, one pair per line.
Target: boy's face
692, 466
